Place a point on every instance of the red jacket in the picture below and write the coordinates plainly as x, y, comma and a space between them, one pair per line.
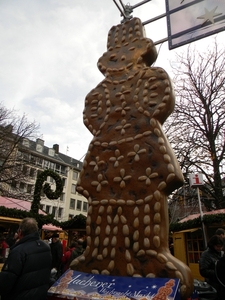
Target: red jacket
3, 248
66, 258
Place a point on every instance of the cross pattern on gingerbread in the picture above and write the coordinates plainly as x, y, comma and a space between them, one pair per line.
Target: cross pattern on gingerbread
130, 168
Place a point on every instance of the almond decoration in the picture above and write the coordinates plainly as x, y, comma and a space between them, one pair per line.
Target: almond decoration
130, 168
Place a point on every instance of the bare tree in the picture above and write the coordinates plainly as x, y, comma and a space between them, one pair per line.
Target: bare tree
197, 126
13, 130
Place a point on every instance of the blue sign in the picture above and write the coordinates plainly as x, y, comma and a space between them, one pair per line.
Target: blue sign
83, 286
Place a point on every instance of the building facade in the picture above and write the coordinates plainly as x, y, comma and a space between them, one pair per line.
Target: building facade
35, 158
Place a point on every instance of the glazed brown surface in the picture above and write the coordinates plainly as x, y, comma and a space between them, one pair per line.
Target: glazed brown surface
130, 168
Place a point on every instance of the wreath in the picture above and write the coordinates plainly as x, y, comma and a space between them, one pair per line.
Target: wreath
41, 178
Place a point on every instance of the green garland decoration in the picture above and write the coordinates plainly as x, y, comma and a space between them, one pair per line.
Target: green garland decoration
21, 214
208, 220
77, 222
41, 178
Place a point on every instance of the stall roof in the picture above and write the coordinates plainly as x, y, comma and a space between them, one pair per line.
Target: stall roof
195, 216
9, 220
18, 204
51, 227
188, 230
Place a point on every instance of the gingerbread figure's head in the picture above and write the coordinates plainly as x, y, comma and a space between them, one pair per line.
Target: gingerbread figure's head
127, 49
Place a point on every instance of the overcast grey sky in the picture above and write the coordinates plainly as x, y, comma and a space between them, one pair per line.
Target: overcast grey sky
48, 57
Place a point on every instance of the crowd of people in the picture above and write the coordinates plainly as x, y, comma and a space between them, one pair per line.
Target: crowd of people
33, 265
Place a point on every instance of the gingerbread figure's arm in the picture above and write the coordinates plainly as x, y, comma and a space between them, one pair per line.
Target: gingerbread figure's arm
95, 109
158, 96
158, 101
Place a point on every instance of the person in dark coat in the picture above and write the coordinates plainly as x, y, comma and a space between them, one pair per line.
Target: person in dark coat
81, 245
220, 275
221, 233
208, 261
26, 272
57, 253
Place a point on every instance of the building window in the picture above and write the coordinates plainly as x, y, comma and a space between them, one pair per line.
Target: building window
75, 175
195, 246
19, 154
22, 186
32, 172
85, 205
33, 159
47, 209
57, 168
25, 169
63, 181
79, 203
39, 148
26, 156
29, 188
60, 212
73, 189
54, 209
50, 179
70, 216
39, 161
26, 142
51, 165
13, 185
63, 170
46, 164
51, 152
72, 203
62, 197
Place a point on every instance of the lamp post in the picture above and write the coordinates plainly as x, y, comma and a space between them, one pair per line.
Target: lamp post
196, 180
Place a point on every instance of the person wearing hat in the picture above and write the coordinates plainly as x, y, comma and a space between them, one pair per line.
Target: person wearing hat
57, 253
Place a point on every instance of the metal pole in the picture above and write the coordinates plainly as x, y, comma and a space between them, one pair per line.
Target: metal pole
201, 216
154, 19
139, 4
122, 13
160, 41
122, 4
126, 10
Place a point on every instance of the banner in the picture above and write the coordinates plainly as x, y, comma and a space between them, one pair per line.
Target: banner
83, 286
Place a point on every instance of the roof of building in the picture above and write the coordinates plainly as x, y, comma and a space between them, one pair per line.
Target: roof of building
57, 156
18, 204
44, 151
195, 216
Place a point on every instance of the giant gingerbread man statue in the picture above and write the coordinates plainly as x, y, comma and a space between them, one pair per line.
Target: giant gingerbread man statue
130, 168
